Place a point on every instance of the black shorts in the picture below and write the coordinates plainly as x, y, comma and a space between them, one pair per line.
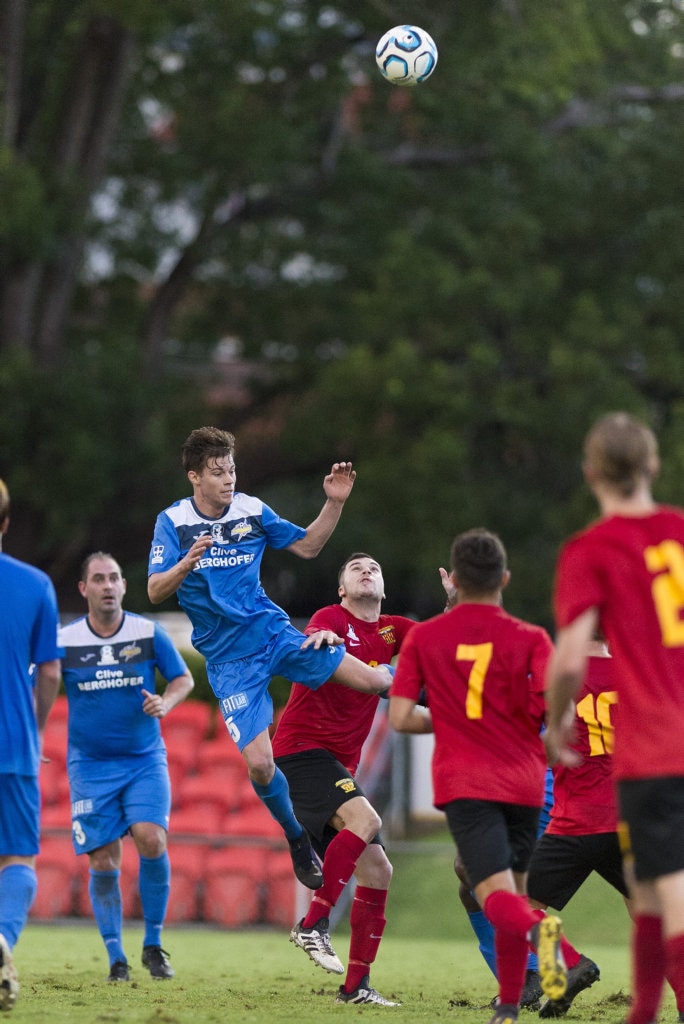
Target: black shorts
492, 837
561, 864
651, 829
319, 784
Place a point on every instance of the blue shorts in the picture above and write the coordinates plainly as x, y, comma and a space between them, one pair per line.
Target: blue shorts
242, 686
107, 797
19, 816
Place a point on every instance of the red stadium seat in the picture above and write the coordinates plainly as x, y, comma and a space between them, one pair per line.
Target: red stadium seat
50, 778
56, 816
208, 791
187, 873
207, 821
218, 752
252, 821
58, 879
233, 882
281, 890
190, 721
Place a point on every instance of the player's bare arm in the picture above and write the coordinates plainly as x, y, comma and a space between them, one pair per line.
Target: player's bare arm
161, 585
564, 680
323, 638
157, 705
406, 716
337, 486
48, 677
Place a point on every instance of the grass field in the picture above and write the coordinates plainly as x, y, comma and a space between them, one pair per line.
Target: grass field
428, 961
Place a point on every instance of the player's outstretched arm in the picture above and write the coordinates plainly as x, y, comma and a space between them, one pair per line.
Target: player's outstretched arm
161, 585
337, 486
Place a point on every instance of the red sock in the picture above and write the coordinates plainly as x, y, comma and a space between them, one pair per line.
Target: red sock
674, 967
648, 969
509, 912
338, 867
570, 954
367, 921
511, 964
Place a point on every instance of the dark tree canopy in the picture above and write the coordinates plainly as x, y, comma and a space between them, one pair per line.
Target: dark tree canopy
221, 212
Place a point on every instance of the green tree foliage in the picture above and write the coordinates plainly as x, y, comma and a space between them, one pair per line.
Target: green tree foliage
220, 210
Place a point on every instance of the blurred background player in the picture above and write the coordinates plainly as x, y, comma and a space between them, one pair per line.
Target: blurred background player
483, 672
28, 637
581, 836
624, 575
208, 549
116, 761
317, 746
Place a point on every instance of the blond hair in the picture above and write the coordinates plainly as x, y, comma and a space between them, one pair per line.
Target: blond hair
621, 451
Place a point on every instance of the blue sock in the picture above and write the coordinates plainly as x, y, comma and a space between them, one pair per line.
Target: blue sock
17, 892
105, 898
276, 798
155, 883
485, 935
532, 962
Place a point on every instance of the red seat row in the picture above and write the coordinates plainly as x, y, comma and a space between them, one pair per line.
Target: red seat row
230, 886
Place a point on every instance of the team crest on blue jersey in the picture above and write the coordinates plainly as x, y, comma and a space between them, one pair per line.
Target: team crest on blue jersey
157, 554
130, 651
240, 530
217, 533
107, 656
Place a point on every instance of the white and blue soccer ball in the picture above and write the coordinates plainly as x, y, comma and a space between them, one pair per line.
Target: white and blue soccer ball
406, 55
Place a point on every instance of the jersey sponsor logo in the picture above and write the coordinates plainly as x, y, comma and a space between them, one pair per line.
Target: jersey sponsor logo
387, 634
352, 637
130, 651
157, 554
110, 679
88, 656
240, 530
219, 558
233, 703
346, 785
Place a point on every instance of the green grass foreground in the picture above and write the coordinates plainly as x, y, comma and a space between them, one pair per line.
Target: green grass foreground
261, 977
428, 960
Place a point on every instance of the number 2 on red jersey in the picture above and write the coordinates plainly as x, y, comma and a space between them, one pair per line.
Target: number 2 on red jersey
667, 559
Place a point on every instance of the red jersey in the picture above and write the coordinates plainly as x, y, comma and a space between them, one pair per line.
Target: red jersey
584, 797
483, 672
632, 570
335, 717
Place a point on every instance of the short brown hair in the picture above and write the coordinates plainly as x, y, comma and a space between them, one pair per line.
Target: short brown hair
85, 564
352, 558
203, 444
4, 502
621, 450
478, 561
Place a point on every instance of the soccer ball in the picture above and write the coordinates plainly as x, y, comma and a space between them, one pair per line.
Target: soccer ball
406, 55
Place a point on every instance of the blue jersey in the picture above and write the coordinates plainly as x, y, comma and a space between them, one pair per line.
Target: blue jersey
28, 636
231, 615
103, 679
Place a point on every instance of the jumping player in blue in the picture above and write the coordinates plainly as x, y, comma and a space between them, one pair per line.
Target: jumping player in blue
118, 773
208, 549
28, 637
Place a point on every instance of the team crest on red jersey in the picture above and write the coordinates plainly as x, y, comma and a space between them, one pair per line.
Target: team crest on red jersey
387, 634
